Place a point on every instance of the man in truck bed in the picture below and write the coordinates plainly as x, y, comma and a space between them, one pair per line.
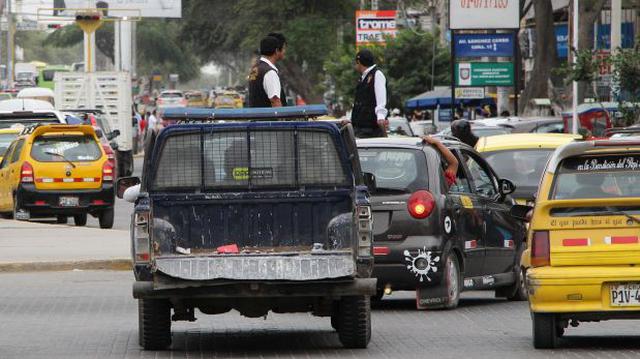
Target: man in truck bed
256, 216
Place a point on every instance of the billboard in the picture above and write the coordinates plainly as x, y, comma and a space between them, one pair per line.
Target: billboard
146, 8
484, 14
484, 74
373, 26
481, 45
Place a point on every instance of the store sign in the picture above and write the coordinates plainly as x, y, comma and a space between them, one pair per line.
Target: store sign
481, 45
373, 26
469, 92
484, 74
484, 14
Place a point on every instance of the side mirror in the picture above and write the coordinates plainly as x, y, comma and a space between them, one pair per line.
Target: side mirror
113, 134
521, 212
125, 182
506, 186
369, 181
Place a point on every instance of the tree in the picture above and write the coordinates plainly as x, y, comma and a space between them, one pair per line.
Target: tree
228, 33
589, 12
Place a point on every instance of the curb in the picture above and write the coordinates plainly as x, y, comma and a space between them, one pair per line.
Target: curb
105, 264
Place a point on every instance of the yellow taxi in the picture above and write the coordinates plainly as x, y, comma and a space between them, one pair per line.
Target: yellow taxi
57, 171
584, 238
228, 99
195, 99
521, 157
7, 135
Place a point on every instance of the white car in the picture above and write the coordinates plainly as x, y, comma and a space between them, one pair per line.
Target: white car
171, 98
9, 119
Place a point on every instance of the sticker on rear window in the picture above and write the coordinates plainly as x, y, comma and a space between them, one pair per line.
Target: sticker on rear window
243, 173
608, 163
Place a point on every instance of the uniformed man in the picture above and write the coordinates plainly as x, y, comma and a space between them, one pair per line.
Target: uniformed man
265, 89
369, 113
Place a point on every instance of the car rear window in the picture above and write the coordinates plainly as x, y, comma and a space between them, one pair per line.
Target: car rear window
171, 95
73, 148
523, 167
261, 159
395, 170
598, 177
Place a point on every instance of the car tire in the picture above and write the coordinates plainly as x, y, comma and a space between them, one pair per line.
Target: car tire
61, 219
154, 324
106, 218
520, 292
80, 219
16, 208
354, 321
545, 330
452, 280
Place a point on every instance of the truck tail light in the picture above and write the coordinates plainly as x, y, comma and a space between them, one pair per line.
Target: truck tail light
141, 242
540, 251
26, 173
365, 231
107, 172
421, 204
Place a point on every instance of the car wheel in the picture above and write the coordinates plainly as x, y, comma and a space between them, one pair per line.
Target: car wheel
61, 219
354, 321
80, 219
154, 323
106, 218
19, 213
521, 292
452, 281
545, 330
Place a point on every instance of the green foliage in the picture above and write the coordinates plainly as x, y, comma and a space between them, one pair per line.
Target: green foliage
586, 66
406, 62
36, 48
626, 74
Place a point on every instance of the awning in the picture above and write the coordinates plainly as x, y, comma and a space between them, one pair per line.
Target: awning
442, 96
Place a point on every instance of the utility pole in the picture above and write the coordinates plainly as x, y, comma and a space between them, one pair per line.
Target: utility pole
576, 21
9, 45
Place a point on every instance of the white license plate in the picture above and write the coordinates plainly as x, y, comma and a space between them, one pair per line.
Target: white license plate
69, 201
624, 294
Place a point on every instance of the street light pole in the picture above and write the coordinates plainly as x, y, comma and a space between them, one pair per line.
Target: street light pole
576, 12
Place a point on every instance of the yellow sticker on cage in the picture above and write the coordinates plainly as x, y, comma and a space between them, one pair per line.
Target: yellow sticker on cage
466, 201
241, 173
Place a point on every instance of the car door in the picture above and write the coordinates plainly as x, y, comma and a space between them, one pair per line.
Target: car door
499, 228
14, 170
467, 221
5, 203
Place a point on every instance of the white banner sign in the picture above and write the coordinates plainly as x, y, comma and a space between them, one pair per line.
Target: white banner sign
146, 8
470, 92
484, 14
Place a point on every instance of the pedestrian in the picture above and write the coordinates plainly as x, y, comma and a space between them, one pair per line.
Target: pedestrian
369, 113
265, 89
153, 121
462, 130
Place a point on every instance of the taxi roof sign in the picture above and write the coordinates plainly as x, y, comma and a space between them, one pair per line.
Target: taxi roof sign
255, 113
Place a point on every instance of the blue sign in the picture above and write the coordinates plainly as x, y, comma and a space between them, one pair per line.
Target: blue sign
603, 36
481, 45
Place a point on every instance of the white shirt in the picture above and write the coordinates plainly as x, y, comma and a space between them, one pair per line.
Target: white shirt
380, 88
271, 80
153, 121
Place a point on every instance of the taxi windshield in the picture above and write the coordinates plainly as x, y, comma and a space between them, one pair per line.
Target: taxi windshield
598, 177
63, 148
523, 167
5, 141
395, 169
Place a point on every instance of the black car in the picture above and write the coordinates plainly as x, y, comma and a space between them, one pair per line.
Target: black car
438, 240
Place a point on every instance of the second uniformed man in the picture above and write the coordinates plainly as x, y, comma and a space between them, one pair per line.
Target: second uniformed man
369, 113
265, 89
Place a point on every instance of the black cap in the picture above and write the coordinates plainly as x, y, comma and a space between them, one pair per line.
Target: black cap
365, 57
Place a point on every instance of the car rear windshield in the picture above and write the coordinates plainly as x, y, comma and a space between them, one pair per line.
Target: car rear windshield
53, 148
523, 167
395, 170
171, 95
5, 141
260, 159
399, 127
27, 122
608, 176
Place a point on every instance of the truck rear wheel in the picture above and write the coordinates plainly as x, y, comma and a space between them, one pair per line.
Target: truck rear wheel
106, 218
354, 321
154, 323
545, 330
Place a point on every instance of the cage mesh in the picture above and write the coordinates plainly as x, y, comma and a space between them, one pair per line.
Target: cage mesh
318, 159
179, 164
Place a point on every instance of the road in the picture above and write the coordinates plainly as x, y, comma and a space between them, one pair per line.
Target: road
86, 314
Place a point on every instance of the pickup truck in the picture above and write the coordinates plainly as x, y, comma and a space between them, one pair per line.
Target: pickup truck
255, 216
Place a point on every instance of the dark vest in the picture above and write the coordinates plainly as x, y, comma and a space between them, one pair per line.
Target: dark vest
363, 114
257, 96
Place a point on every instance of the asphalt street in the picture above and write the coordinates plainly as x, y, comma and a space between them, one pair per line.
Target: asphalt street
86, 314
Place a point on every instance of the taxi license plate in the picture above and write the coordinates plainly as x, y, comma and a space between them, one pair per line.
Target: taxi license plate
624, 294
69, 201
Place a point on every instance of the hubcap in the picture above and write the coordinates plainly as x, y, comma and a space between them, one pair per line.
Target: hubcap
453, 280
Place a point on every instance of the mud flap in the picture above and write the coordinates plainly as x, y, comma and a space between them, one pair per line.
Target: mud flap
431, 297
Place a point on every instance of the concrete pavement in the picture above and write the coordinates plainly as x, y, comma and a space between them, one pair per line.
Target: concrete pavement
30, 246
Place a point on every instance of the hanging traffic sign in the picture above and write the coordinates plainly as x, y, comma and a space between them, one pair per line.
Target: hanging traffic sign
484, 74
481, 45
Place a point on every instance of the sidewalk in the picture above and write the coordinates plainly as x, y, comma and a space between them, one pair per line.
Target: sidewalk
30, 246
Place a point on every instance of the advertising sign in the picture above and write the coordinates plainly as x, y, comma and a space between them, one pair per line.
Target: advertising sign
373, 26
603, 37
145, 8
484, 74
469, 92
481, 45
484, 14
